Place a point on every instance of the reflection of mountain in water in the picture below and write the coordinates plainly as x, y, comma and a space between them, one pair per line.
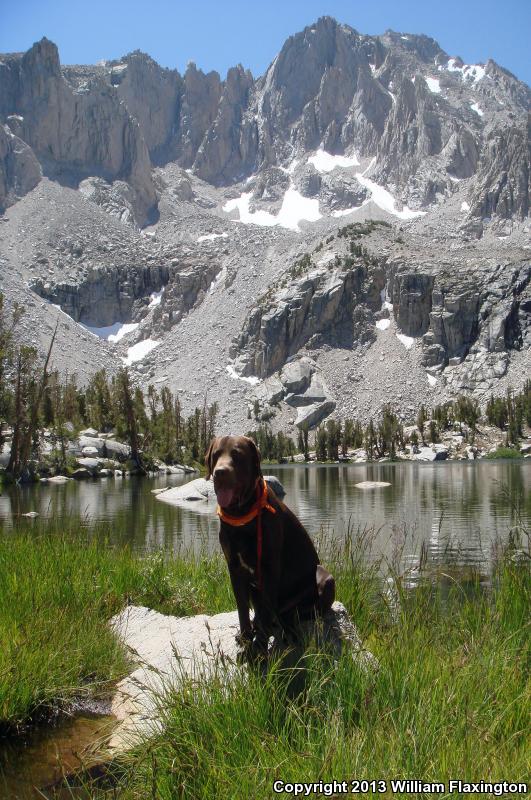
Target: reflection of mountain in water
457, 511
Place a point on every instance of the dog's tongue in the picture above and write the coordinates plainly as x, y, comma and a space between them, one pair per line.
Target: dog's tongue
225, 497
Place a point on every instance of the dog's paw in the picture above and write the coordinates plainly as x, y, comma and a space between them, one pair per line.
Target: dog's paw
244, 639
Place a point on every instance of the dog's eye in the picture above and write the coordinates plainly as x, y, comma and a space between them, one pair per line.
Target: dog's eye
235, 455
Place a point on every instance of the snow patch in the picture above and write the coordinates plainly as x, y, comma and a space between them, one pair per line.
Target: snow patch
294, 209
434, 85
474, 72
432, 380
345, 211
290, 169
155, 298
326, 162
111, 333
385, 199
475, 107
465, 206
252, 379
383, 324
407, 341
139, 351
218, 280
209, 237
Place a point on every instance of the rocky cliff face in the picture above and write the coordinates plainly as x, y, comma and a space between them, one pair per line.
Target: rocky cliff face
248, 287
329, 299
483, 312
426, 119
20, 171
106, 296
74, 132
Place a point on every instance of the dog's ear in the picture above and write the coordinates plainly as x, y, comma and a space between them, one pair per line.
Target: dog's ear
255, 454
209, 461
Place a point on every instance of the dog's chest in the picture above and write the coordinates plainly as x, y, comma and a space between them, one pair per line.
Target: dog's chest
243, 550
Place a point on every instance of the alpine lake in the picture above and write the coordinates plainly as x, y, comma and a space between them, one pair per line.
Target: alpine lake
454, 513
449, 518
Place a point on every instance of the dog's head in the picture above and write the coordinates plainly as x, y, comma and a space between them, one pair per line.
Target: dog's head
234, 464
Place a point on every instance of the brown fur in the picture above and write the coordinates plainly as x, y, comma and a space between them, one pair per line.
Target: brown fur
295, 586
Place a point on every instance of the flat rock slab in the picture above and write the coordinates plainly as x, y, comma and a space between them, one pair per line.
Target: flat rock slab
199, 495
372, 485
56, 479
170, 650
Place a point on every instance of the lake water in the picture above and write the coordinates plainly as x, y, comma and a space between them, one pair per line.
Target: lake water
455, 512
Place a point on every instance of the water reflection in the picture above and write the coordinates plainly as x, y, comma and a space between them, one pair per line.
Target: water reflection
455, 511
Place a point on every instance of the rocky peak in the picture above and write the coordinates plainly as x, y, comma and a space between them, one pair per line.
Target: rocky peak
152, 96
422, 47
42, 59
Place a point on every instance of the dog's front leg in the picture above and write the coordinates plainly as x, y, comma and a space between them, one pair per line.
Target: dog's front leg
265, 601
240, 586
241, 589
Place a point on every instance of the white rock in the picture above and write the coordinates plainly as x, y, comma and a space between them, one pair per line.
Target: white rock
372, 485
172, 649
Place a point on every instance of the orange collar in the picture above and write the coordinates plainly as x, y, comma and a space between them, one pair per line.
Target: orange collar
259, 505
255, 512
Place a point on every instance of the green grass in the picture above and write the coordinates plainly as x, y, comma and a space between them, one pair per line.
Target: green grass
451, 699
504, 452
57, 593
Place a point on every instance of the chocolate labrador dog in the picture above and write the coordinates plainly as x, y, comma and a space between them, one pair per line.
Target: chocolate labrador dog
273, 564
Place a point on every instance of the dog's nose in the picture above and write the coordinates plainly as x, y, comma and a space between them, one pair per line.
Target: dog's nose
220, 472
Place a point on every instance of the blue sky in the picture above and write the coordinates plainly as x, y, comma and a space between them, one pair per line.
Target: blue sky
218, 34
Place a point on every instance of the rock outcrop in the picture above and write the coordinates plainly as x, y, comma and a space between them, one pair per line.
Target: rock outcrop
172, 650
75, 132
397, 98
106, 296
320, 303
484, 313
20, 170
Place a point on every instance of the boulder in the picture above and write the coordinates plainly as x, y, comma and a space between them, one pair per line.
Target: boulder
173, 649
271, 390
91, 464
314, 414
276, 485
436, 452
296, 375
117, 450
316, 392
81, 474
91, 441
198, 495
90, 433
